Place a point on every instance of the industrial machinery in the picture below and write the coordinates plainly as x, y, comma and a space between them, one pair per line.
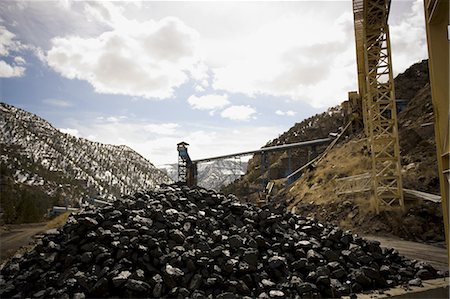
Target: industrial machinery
374, 105
187, 168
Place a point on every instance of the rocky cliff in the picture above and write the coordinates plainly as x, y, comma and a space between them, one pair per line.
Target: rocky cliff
41, 166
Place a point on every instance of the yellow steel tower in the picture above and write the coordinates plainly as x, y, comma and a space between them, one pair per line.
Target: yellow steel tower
376, 88
437, 21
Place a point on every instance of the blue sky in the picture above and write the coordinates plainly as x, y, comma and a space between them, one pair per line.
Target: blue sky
223, 76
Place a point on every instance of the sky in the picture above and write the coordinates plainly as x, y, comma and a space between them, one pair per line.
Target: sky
223, 76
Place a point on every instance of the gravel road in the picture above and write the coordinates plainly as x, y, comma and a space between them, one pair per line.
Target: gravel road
17, 236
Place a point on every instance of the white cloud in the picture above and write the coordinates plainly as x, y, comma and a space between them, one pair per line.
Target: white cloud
199, 88
208, 102
285, 57
242, 113
225, 141
148, 59
306, 55
112, 119
199, 72
162, 129
408, 38
294, 50
57, 102
301, 50
19, 60
9, 44
73, 132
290, 113
65, 4
204, 83
253, 56
105, 12
122, 120
8, 71
161, 148
287, 113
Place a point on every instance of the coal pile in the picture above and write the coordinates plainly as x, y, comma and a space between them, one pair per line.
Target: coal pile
177, 242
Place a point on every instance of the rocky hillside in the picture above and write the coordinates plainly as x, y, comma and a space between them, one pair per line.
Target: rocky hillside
411, 81
314, 194
41, 166
416, 128
315, 127
212, 175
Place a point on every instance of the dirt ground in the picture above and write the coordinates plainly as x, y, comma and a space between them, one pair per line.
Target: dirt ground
13, 237
435, 256
316, 195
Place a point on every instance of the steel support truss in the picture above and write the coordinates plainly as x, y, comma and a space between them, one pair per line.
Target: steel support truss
354, 184
182, 169
376, 87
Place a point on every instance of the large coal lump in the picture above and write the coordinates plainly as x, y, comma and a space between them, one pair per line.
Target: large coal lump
177, 242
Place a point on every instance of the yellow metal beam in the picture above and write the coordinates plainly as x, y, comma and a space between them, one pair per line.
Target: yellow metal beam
437, 21
358, 18
376, 87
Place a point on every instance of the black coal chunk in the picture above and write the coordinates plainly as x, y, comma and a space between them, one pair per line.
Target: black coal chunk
178, 242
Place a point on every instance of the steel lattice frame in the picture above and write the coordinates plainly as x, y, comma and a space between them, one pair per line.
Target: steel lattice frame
354, 184
182, 169
183, 162
358, 15
377, 91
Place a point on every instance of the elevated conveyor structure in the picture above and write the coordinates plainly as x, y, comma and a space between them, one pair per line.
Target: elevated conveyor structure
283, 147
187, 168
376, 89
